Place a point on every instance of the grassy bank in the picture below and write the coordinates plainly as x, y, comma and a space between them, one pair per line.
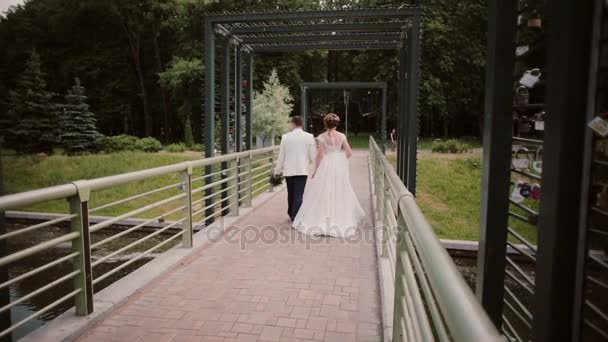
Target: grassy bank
23, 173
449, 191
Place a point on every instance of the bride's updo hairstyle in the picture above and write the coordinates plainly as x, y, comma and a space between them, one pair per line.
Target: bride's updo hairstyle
331, 120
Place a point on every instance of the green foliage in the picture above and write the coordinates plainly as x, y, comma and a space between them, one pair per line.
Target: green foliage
176, 148
78, 128
118, 143
450, 146
31, 123
197, 148
148, 144
271, 108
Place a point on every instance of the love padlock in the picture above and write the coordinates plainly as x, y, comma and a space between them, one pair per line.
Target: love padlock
536, 192
525, 190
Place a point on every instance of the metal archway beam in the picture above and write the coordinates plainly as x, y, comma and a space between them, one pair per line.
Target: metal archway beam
305, 86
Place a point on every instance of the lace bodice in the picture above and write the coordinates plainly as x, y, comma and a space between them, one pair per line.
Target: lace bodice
332, 143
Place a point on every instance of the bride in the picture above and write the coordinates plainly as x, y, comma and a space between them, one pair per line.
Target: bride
330, 206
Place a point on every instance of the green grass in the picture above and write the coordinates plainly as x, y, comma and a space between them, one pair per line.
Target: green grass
449, 195
23, 173
427, 143
360, 140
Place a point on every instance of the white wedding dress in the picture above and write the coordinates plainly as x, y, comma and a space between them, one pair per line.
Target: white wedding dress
330, 206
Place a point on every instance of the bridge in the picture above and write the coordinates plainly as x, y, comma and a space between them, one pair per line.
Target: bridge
241, 273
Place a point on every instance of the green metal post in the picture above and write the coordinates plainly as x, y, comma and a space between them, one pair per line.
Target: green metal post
209, 41
502, 17
233, 192
225, 85
249, 185
79, 206
413, 72
402, 119
238, 131
383, 123
187, 225
249, 97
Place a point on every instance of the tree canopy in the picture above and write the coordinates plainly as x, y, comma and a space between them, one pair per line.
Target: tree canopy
271, 108
142, 61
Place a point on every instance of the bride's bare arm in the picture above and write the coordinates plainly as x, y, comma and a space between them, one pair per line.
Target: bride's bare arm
347, 150
320, 154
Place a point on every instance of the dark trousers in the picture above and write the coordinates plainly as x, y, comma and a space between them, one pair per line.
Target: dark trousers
295, 192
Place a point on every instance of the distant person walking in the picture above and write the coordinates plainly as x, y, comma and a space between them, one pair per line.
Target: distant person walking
394, 139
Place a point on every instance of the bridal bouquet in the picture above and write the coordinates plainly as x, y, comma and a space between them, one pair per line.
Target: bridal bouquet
276, 180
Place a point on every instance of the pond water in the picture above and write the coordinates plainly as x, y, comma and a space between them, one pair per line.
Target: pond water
47, 297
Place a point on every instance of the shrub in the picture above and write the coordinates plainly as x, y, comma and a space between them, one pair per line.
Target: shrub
197, 148
174, 148
148, 144
450, 146
117, 143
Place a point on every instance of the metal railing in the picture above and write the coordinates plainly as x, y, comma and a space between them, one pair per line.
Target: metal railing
192, 194
432, 301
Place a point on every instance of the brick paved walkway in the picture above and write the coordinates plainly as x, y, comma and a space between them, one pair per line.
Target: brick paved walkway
266, 282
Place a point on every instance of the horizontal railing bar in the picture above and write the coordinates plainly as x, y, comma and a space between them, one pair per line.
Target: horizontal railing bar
37, 226
465, 318
211, 185
39, 290
38, 270
132, 244
212, 195
597, 329
524, 208
521, 251
141, 225
214, 214
23, 199
598, 261
521, 218
510, 327
26, 198
519, 271
527, 174
131, 213
529, 141
518, 303
519, 282
428, 294
37, 248
518, 314
204, 177
253, 170
259, 182
136, 258
263, 188
40, 312
262, 174
124, 200
593, 308
521, 239
214, 204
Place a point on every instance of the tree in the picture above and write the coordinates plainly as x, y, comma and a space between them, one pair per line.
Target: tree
31, 123
271, 108
79, 126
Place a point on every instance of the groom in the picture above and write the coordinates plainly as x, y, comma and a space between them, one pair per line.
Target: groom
296, 156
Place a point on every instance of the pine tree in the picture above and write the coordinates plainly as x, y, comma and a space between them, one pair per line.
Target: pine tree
79, 130
31, 123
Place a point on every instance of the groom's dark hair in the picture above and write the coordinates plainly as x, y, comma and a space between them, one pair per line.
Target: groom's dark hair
297, 121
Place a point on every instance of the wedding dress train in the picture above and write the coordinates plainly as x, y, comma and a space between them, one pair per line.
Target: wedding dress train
330, 206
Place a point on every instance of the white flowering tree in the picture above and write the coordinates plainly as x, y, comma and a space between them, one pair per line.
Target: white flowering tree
271, 109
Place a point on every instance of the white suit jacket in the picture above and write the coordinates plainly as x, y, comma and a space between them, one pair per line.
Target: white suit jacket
297, 154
